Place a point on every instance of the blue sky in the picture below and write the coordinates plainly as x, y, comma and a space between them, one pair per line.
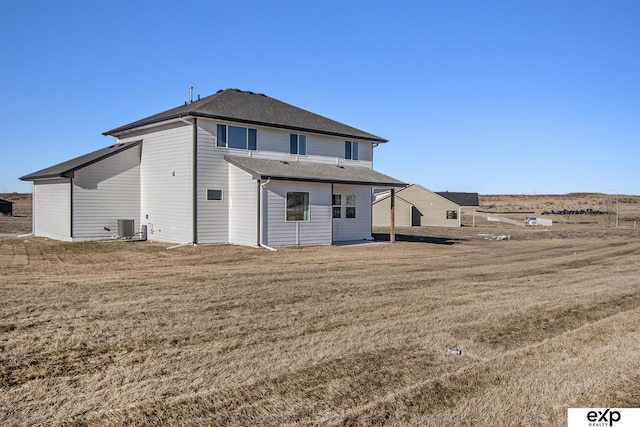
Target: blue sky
527, 96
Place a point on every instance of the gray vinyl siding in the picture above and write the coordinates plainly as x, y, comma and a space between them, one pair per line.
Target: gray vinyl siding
166, 184
274, 144
105, 192
366, 152
243, 208
358, 228
52, 209
213, 173
279, 232
166, 187
332, 148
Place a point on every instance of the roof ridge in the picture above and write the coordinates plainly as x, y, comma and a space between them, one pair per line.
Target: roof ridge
256, 108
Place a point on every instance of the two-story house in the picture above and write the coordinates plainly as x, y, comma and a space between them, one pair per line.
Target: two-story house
234, 167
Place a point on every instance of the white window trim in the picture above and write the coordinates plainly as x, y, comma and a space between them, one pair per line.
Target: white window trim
352, 144
306, 145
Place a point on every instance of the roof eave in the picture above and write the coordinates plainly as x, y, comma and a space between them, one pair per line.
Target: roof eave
332, 181
41, 177
68, 173
257, 174
127, 128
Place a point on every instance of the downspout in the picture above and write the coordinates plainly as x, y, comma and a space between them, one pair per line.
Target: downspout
181, 245
261, 221
371, 192
258, 212
71, 207
194, 180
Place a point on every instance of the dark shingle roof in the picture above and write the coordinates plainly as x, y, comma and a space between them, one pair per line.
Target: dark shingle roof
461, 199
314, 172
65, 168
257, 109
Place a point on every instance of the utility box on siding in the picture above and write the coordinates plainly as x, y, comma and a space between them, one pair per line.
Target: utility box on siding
126, 228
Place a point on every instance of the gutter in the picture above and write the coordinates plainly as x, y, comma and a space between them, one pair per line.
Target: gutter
181, 245
334, 181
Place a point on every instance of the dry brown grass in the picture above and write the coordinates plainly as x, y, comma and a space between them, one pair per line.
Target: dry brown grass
20, 222
120, 333
628, 205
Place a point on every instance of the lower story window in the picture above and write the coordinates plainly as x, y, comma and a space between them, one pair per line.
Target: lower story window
337, 205
350, 211
214, 194
452, 214
298, 206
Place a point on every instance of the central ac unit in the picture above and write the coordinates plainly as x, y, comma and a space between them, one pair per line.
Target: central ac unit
126, 228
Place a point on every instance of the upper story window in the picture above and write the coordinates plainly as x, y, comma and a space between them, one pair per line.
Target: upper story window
237, 137
351, 150
298, 144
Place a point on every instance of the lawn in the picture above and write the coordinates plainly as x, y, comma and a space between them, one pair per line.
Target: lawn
130, 333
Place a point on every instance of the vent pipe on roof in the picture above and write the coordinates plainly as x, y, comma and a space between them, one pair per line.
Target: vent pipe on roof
190, 94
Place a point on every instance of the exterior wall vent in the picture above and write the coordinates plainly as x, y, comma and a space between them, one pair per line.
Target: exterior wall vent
126, 228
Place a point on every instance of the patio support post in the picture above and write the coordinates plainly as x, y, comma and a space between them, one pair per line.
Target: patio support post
392, 222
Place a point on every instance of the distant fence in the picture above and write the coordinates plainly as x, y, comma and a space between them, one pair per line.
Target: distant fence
490, 217
576, 212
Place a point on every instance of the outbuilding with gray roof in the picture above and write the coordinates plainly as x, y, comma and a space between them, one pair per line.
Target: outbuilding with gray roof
415, 205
